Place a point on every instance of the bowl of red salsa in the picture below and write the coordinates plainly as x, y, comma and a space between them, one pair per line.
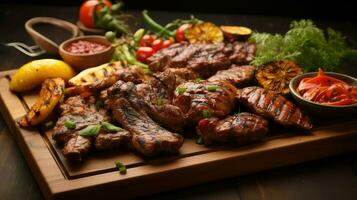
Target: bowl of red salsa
325, 93
86, 51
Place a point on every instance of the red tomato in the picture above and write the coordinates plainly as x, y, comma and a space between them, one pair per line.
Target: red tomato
157, 44
166, 43
86, 11
180, 32
147, 40
143, 53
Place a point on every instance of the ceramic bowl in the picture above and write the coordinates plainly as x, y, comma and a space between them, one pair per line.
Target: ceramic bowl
84, 61
318, 109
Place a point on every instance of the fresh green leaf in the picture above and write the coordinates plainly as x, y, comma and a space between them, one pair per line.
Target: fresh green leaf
198, 80
180, 90
70, 124
206, 113
121, 167
91, 130
305, 44
159, 101
110, 127
99, 104
212, 88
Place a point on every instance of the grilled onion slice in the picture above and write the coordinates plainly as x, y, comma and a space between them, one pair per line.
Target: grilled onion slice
277, 75
52, 92
204, 33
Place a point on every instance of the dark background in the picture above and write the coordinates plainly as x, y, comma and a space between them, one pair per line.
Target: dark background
341, 9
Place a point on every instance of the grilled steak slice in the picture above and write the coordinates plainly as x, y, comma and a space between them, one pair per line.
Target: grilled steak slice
105, 141
197, 99
243, 52
242, 128
236, 75
148, 137
273, 106
182, 74
204, 59
77, 147
80, 112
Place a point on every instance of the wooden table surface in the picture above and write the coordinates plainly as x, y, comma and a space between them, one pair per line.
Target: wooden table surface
329, 178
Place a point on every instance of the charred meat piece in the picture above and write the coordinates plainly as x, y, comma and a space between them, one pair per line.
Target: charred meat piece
148, 137
243, 52
77, 147
204, 59
236, 75
201, 99
105, 140
155, 98
273, 106
79, 112
242, 128
182, 74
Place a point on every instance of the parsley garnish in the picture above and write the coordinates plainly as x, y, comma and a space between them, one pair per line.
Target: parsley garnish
180, 90
70, 124
121, 167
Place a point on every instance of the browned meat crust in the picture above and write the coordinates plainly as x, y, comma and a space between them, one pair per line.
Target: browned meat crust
105, 141
204, 59
242, 128
197, 99
77, 147
273, 106
236, 75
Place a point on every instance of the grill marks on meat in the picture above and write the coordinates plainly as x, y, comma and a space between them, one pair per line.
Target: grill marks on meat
148, 137
236, 75
204, 59
84, 113
216, 98
242, 128
273, 106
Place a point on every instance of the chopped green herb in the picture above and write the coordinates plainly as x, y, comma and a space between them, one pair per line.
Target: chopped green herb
198, 80
206, 113
212, 88
99, 104
70, 124
121, 167
110, 127
159, 101
49, 124
91, 130
180, 90
64, 91
200, 140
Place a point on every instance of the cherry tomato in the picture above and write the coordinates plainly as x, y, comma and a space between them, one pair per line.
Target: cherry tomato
147, 40
143, 53
166, 43
86, 11
157, 44
180, 32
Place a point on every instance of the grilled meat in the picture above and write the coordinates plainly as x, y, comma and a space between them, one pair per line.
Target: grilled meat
148, 137
77, 147
204, 59
273, 106
199, 99
125, 73
236, 75
242, 128
105, 141
81, 113
182, 74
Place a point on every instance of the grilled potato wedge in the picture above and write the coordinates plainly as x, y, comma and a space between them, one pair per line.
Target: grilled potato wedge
94, 74
276, 75
52, 92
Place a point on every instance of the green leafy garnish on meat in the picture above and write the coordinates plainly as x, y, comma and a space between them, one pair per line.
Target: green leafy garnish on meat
206, 113
180, 90
91, 130
110, 127
305, 44
70, 124
212, 88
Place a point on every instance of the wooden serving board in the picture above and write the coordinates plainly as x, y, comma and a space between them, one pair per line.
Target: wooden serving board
96, 177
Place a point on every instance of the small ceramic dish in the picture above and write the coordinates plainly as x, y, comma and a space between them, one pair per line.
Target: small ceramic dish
317, 108
87, 60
